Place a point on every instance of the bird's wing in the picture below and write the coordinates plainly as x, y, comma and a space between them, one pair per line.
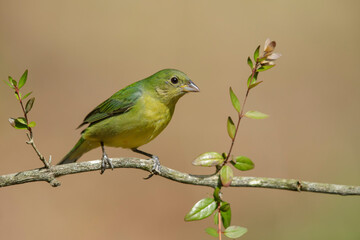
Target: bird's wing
119, 103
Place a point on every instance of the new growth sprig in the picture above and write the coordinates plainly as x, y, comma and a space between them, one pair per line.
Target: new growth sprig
23, 122
221, 209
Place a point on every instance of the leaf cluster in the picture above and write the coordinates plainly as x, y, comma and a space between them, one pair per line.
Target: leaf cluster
221, 209
21, 122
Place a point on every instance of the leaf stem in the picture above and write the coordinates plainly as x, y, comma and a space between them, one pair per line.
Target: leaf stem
241, 114
30, 134
17, 92
32, 143
219, 222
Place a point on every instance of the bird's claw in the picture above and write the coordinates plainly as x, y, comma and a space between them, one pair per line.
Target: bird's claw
156, 167
105, 160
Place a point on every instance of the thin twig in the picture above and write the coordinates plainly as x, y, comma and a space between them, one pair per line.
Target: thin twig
219, 222
32, 143
30, 134
17, 92
50, 175
240, 116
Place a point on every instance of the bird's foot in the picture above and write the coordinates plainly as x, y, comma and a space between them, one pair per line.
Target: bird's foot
156, 167
105, 160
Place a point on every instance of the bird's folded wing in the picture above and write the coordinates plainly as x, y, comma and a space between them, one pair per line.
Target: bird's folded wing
119, 103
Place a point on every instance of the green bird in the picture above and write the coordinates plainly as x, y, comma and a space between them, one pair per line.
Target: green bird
133, 116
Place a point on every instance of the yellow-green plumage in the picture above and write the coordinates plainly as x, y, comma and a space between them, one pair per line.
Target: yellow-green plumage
134, 115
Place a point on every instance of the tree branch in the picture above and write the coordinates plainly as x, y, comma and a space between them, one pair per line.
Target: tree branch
50, 175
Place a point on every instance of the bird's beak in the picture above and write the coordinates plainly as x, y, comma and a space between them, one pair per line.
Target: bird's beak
191, 87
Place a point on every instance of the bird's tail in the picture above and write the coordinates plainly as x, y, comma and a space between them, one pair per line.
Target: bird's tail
81, 147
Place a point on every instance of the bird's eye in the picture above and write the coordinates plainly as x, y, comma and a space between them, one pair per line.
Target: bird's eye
174, 80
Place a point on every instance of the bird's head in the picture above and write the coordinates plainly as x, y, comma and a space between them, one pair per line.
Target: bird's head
171, 84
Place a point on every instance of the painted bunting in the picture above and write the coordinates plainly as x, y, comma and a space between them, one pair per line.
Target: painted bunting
133, 116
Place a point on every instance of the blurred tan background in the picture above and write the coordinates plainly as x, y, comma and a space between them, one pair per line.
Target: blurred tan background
80, 52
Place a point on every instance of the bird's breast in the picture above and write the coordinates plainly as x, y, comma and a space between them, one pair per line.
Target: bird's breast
141, 124
156, 114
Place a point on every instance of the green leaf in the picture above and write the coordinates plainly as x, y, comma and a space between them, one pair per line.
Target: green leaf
226, 175
9, 84
225, 212
208, 159
212, 232
255, 84
216, 218
216, 194
20, 123
262, 59
264, 68
224, 206
12, 81
235, 101
21, 120
16, 95
29, 105
231, 128
20, 126
255, 76
250, 63
256, 53
243, 163
202, 209
23, 78
26, 95
32, 124
235, 231
251, 80
256, 115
